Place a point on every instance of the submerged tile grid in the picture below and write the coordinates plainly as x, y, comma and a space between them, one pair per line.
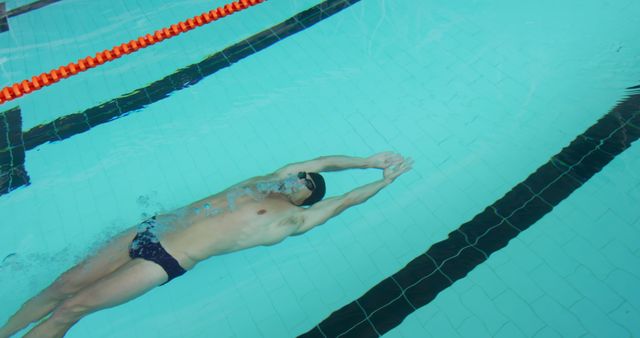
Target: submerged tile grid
576, 263
73, 124
30, 7
387, 304
12, 172
4, 15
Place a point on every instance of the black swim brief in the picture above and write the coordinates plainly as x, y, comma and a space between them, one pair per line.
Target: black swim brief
147, 246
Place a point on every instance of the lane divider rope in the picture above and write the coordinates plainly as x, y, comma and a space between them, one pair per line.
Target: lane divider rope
46, 79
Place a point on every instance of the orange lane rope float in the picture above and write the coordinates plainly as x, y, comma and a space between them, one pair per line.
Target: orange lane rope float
45, 79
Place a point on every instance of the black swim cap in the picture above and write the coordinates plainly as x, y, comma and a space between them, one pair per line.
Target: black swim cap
318, 193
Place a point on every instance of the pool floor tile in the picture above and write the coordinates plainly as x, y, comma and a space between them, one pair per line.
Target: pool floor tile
596, 321
567, 324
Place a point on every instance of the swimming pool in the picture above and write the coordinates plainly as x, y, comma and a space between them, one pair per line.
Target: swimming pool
485, 97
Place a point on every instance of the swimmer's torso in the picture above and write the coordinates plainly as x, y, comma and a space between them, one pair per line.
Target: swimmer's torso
232, 220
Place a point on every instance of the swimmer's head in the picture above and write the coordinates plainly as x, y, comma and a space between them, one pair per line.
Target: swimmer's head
314, 184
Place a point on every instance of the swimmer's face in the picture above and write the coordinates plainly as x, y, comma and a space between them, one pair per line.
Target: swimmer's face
306, 180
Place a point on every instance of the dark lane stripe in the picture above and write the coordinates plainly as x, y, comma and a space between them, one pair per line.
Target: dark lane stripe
73, 124
67, 126
30, 7
386, 305
12, 171
4, 24
4, 15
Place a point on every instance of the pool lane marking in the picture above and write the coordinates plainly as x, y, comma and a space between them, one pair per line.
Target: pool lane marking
4, 15
4, 23
388, 303
25, 87
73, 124
556, 186
30, 7
12, 154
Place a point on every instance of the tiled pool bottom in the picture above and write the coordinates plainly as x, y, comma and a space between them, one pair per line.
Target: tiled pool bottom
466, 321
574, 273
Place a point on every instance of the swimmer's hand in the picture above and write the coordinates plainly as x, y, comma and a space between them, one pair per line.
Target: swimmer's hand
393, 171
384, 160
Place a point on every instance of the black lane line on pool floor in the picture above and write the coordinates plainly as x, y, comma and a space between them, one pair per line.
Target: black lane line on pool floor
386, 305
4, 23
30, 7
4, 15
12, 171
73, 124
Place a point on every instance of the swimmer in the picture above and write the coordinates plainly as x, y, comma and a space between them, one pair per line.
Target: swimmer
262, 210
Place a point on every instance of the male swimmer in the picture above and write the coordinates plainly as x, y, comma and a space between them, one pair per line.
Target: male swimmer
262, 210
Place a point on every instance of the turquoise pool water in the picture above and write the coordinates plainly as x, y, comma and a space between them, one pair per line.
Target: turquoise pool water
480, 95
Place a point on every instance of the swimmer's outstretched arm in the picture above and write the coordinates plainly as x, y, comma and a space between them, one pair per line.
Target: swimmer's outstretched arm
340, 162
322, 211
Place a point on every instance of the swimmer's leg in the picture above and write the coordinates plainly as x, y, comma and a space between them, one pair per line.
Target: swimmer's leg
126, 283
92, 269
